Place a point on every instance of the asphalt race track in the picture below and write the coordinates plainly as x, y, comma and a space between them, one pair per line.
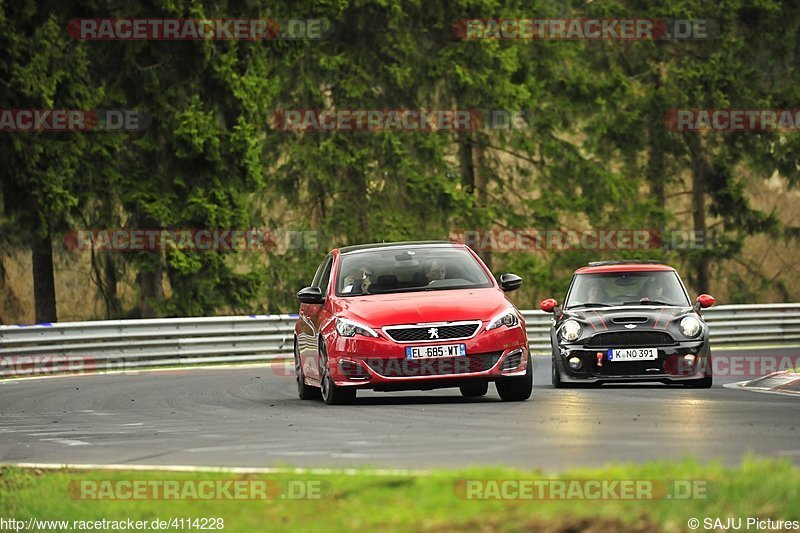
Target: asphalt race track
251, 416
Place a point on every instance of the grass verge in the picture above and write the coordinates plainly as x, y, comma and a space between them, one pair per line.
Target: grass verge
432, 502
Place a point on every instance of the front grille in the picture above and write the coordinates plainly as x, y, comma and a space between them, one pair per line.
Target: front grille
630, 339
435, 366
423, 333
512, 361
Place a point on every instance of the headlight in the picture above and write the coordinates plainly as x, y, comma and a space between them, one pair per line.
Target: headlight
349, 328
571, 330
508, 318
690, 326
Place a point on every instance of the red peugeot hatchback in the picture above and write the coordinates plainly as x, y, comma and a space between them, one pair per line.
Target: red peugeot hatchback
409, 316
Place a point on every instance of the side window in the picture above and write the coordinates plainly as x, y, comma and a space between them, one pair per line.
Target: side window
323, 274
318, 273
326, 276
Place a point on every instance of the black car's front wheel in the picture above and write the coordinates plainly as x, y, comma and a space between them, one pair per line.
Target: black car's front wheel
703, 383
555, 377
706, 381
516, 389
331, 393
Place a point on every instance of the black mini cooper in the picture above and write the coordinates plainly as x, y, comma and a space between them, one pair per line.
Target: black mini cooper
629, 321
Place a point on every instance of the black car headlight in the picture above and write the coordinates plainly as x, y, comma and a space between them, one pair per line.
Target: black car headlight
349, 328
508, 318
690, 326
571, 330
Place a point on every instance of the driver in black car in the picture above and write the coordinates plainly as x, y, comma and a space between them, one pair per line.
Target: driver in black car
651, 291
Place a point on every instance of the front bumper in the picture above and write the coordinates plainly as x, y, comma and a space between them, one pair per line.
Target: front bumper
670, 367
381, 364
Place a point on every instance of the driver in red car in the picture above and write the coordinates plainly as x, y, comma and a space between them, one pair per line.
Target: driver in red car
435, 271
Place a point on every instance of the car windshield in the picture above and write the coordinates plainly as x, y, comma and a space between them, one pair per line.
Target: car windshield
626, 288
397, 269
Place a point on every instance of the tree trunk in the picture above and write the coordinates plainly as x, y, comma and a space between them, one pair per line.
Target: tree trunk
656, 174
699, 173
44, 288
113, 305
482, 193
656, 178
466, 161
472, 174
151, 289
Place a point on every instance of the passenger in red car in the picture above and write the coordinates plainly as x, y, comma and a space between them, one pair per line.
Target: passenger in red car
358, 281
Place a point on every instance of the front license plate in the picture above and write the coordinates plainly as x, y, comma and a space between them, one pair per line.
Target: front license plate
442, 350
633, 354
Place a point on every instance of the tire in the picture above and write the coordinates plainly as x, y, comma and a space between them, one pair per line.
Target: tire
304, 392
555, 377
702, 383
474, 390
516, 389
331, 394
705, 382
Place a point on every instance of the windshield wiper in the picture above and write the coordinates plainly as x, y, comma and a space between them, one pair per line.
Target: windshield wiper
648, 302
589, 304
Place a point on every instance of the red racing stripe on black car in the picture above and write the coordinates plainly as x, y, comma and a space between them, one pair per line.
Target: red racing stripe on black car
658, 317
601, 319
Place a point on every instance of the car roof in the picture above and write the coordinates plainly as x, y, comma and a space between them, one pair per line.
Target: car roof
372, 246
601, 267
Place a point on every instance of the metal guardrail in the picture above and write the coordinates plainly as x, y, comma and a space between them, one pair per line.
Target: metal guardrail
126, 344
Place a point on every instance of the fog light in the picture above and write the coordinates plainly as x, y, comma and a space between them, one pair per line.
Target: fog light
689, 359
574, 363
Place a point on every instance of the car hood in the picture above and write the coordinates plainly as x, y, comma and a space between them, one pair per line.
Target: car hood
452, 305
616, 318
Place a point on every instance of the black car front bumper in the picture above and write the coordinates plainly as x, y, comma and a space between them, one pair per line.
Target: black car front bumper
670, 367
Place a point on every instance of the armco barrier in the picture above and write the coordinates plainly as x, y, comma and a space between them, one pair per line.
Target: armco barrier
110, 344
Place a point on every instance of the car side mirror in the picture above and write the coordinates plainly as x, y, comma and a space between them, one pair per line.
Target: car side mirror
310, 295
705, 300
510, 282
548, 305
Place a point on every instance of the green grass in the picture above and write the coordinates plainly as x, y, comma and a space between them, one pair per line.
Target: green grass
763, 488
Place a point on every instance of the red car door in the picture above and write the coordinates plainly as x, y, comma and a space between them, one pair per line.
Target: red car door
312, 317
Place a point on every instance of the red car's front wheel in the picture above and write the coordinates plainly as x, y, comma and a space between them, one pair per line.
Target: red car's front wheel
331, 393
516, 389
304, 392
